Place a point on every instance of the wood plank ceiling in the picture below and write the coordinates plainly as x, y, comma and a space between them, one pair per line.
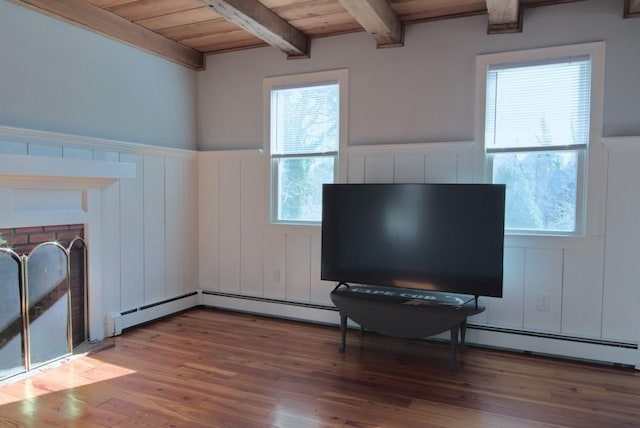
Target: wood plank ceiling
185, 31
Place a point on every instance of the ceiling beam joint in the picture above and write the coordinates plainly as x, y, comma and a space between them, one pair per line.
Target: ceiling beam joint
505, 16
378, 19
258, 20
632, 8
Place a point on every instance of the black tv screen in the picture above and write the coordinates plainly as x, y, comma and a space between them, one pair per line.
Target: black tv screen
441, 237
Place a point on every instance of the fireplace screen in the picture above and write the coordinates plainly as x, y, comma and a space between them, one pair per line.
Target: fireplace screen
48, 303
11, 320
36, 305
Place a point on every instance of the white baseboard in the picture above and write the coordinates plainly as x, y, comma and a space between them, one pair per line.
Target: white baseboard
554, 346
288, 310
519, 341
143, 314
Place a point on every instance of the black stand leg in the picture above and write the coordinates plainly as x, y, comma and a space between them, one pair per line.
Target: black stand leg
454, 347
463, 334
343, 332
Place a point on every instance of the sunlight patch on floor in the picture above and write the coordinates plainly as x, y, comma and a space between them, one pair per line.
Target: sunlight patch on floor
75, 374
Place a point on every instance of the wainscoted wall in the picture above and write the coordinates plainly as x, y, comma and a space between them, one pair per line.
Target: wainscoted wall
141, 230
621, 297
188, 223
566, 296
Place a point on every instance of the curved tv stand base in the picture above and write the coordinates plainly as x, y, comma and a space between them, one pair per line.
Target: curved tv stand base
403, 313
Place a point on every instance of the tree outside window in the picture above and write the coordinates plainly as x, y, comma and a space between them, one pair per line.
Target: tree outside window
305, 135
536, 138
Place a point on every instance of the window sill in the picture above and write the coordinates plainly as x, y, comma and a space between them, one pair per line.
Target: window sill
295, 228
551, 241
510, 240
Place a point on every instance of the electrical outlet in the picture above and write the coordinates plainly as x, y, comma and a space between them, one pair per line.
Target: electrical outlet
276, 276
543, 302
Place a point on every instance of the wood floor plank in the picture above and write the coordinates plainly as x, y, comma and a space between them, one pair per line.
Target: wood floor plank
212, 368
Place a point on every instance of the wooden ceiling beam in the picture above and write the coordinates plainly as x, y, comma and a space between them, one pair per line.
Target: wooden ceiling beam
255, 18
86, 15
378, 19
505, 16
632, 8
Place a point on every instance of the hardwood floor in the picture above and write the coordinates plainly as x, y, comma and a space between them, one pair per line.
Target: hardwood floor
209, 368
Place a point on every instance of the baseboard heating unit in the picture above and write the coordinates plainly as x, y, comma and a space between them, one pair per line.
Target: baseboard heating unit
132, 317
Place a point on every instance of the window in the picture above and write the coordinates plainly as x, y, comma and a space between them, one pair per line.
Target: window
305, 132
537, 133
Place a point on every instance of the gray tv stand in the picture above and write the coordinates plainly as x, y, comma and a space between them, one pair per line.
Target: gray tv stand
405, 313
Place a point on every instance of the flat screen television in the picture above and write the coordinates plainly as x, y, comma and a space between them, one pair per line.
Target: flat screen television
440, 237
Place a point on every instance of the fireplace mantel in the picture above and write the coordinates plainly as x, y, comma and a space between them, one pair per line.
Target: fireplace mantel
134, 202
45, 191
87, 172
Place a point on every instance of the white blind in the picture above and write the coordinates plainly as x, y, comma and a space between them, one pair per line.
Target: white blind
538, 106
305, 120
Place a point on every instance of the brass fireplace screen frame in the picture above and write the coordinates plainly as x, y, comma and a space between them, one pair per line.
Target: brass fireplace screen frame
43, 287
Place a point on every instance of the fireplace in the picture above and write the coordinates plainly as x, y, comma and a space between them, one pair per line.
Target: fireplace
23, 240
46, 198
43, 282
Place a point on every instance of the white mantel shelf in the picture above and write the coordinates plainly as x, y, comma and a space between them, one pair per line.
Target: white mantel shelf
25, 167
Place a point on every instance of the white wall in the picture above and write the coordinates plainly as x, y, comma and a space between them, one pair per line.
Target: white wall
423, 92
61, 78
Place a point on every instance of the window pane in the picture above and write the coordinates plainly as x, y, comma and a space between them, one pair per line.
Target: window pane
538, 105
541, 189
300, 187
305, 120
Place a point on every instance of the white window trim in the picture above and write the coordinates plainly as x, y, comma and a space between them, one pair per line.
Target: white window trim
591, 184
342, 77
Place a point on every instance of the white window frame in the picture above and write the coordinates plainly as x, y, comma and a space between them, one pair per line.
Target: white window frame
340, 77
588, 218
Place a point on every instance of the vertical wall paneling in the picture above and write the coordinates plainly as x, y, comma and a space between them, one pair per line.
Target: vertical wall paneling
253, 218
320, 290
465, 162
449, 162
621, 296
209, 221
230, 233
190, 226
42, 149
111, 296
551, 284
132, 236
378, 168
543, 289
106, 155
355, 168
154, 229
298, 267
13, 148
408, 168
508, 311
441, 167
77, 153
175, 231
582, 292
274, 250
97, 288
